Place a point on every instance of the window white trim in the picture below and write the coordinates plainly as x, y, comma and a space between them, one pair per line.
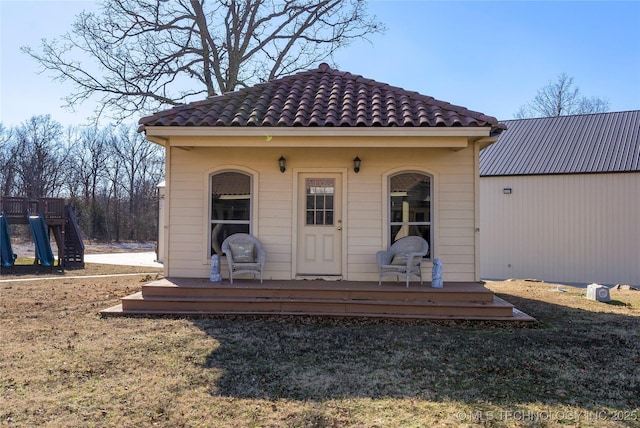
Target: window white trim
206, 214
386, 206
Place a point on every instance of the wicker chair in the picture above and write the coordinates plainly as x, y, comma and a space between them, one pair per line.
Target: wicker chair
403, 258
245, 254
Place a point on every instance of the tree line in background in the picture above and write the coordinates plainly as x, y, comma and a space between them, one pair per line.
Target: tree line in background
109, 175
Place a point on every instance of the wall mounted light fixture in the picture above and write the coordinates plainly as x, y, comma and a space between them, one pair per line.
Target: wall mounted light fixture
356, 164
283, 164
506, 190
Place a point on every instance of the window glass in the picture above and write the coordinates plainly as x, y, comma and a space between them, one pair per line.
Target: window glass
320, 193
410, 206
230, 207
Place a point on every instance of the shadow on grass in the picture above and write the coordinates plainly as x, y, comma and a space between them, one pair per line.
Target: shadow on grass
571, 356
30, 270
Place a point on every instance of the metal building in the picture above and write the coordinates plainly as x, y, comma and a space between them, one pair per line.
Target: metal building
560, 200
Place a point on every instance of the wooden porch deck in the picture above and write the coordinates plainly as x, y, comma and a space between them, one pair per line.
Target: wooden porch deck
188, 296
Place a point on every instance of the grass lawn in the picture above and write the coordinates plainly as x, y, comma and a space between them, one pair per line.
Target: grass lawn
61, 364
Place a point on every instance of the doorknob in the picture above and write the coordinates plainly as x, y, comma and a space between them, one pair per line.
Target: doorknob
339, 227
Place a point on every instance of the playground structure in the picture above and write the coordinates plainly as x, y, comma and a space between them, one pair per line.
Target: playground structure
45, 217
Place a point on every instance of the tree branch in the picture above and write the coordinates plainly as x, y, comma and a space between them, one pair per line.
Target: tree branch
137, 56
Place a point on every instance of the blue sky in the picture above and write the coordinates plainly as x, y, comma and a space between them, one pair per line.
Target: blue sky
489, 56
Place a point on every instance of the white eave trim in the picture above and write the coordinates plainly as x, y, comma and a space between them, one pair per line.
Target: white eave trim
190, 137
486, 141
201, 131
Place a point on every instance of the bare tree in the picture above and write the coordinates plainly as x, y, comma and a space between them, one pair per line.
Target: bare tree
41, 158
153, 53
140, 169
90, 153
113, 198
561, 98
9, 150
89, 170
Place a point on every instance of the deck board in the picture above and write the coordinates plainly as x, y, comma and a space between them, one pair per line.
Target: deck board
189, 296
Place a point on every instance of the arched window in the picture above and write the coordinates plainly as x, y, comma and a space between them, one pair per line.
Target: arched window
410, 206
230, 207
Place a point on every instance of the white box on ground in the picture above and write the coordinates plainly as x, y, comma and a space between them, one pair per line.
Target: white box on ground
598, 292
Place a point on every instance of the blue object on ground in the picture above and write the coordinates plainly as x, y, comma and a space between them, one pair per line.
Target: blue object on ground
41, 238
7, 258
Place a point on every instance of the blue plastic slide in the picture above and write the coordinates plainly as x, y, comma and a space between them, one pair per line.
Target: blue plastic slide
7, 258
41, 238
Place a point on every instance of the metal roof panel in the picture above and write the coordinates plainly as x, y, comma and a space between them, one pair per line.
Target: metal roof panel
589, 143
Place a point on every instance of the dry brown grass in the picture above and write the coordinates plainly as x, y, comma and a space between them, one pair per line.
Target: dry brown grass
63, 365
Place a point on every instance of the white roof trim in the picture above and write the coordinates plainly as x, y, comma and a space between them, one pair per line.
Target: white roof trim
203, 131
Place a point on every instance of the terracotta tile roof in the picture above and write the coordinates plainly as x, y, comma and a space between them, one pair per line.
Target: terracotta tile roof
323, 97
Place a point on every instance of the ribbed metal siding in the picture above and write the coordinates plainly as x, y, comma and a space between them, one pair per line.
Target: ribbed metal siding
579, 228
593, 143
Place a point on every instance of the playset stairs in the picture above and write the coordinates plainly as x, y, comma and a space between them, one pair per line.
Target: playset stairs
73, 243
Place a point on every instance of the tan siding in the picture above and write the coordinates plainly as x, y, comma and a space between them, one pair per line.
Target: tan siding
455, 250
570, 228
364, 229
456, 219
464, 205
370, 243
449, 222
365, 213
456, 187
456, 232
456, 258
461, 179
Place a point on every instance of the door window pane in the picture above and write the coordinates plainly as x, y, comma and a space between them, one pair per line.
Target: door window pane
320, 193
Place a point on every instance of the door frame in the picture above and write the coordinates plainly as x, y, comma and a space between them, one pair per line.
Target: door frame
294, 224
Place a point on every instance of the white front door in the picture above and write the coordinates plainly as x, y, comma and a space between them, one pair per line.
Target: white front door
319, 243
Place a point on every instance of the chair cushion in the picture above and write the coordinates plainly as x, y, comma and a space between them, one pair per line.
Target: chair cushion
247, 267
400, 259
242, 253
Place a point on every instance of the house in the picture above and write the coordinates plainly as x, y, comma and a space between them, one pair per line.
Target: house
325, 168
560, 199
